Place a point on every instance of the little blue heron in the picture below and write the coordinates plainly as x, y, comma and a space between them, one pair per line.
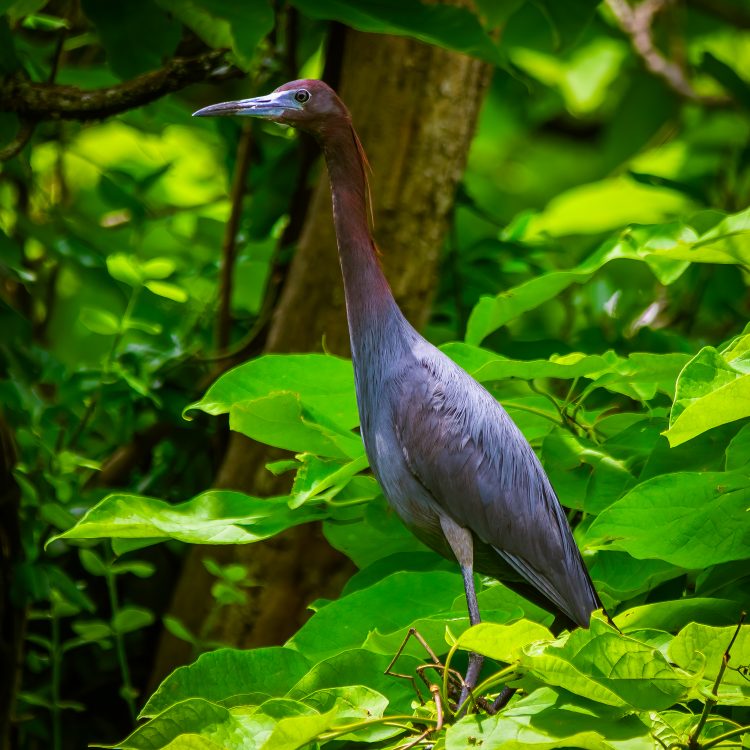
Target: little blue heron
450, 460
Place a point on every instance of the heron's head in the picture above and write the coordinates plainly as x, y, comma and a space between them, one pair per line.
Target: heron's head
306, 105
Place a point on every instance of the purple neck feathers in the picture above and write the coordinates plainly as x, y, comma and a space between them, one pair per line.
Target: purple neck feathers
369, 301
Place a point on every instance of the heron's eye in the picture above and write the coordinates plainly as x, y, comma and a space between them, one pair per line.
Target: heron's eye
302, 96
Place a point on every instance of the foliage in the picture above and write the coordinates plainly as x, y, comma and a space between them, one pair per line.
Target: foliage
594, 280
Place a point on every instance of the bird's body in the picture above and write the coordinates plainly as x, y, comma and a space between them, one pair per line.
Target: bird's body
450, 460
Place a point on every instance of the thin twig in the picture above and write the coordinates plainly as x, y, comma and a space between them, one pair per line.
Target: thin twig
229, 245
693, 743
23, 136
636, 21
50, 101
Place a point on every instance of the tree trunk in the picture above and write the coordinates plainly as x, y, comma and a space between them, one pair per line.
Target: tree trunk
402, 95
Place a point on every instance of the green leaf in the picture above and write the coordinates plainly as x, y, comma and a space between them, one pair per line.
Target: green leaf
362, 667
128, 619
738, 450
353, 703
388, 605
666, 248
642, 375
224, 23
622, 577
167, 290
125, 268
712, 389
738, 87
447, 26
281, 420
137, 41
92, 563
213, 517
691, 520
324, 383
224, 676
485, 365
321, 478
139, 568
158, 268
503, 642
568, 21
100, 321
726, 404
373, 533
294, 732
92, 630
194, 716
672, 615
547, 719
605, 666
701, 647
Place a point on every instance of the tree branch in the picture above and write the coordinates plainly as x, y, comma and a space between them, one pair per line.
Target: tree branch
49, 101
229, 246
636, 21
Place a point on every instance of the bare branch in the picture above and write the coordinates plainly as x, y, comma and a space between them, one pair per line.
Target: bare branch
49, 101
229, 246
636, 21
25, 131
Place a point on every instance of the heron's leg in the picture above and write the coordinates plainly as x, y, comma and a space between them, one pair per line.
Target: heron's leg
462, 544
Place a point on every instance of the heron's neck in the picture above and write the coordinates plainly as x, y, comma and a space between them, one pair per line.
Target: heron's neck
369, 301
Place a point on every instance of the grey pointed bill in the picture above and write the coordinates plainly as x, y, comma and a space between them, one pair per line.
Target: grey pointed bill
271, 105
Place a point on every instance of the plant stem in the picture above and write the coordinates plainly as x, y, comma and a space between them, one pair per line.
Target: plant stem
127, 687
532, 410
96, 398
338, 731
55, 655
693, 743
726, 736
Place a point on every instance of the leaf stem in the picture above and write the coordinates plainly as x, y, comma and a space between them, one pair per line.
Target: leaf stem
127, 687
55, 655
532, 410
338, 731
726, 736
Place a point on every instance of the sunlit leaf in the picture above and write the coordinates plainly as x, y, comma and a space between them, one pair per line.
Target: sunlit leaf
691, 520
213, 517
223, 675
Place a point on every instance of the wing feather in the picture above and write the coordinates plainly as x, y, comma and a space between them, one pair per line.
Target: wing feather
465, 450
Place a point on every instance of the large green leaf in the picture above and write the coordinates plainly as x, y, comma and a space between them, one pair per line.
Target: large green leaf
281, 420
503, 642
362, 667
324, 383
230, 677
547, 719
691, 520
701, 648
216, 724
713, 389
388, 606
447, 26
666, 248
673, 615
213, 517
608, 667
485, 365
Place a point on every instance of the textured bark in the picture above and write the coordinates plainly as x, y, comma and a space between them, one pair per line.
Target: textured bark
415, 108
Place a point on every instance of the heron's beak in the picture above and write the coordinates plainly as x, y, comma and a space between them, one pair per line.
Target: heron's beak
271, 106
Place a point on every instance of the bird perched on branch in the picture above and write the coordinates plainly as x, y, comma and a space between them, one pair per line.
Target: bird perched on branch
450, 460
